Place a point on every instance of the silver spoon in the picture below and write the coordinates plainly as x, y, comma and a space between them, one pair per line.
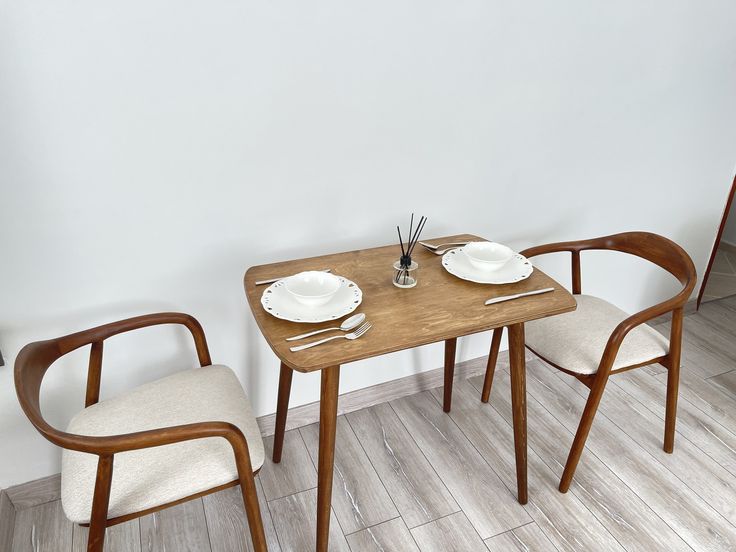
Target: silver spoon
347, 324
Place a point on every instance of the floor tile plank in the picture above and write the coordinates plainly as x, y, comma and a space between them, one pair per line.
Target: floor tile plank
359, 498
697, 356
453, 533
42, 528
710, 436
389, 536
726, 382
490, 506
182, 528
294, 474
715, 402
227, 523
295, 520
125, 537
419, 494
722, 317
527, 538
707, 332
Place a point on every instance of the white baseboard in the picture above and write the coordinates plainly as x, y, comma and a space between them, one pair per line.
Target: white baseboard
7, 521
300, 416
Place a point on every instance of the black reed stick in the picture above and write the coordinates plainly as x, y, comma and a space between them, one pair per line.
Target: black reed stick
408, 248
401, 242
418, 231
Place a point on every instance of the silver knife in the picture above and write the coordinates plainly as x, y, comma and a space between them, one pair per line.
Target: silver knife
517, 295
272, 280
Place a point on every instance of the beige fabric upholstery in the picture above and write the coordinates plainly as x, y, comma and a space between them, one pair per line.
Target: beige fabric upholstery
576, 340
150, 477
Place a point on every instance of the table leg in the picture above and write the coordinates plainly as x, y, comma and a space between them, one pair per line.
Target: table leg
491, 366
282, 407
327, 428
450, 346
518, 405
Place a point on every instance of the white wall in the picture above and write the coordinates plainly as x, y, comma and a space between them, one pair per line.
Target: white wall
151, 151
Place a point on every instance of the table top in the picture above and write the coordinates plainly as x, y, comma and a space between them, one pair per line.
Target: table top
440, 307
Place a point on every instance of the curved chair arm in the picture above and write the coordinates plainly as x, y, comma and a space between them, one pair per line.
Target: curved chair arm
558, 247
676, 303
35, 359
113, 444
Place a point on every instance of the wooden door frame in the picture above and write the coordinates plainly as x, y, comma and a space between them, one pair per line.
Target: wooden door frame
724, 218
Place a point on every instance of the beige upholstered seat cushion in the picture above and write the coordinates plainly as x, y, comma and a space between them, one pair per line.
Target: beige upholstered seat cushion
150, 477
576, 340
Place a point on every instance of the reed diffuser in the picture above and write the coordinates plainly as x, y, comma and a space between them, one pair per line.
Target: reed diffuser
405, 270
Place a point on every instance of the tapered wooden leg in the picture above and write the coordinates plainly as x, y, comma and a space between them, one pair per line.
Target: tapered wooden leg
253, 513
578, 444
673, 380
282, 408
491, 366
100, 502
250, 495
252, 509
518, 405
327, 428
450, 347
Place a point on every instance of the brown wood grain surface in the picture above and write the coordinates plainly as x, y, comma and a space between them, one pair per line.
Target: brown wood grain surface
440, 307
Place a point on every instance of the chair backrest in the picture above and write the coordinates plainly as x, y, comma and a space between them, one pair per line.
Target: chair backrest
652, 247
35, 359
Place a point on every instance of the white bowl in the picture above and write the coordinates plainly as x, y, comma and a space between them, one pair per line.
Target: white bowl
488, 256
312, 288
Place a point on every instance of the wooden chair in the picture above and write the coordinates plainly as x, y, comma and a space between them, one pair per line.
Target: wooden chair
598, 339
166, 442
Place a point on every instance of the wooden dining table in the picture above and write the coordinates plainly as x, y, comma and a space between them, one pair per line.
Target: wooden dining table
441, 307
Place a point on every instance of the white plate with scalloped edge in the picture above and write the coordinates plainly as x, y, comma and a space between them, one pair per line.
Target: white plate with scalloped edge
281, 304
457, 263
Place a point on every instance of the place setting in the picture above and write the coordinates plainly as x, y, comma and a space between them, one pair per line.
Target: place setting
317, 296
485, 262
312, 297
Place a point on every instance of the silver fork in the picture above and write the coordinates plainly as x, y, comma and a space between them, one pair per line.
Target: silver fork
352, 335
443, 251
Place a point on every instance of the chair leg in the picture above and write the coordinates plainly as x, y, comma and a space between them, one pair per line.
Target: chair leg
491, 366
282, 409
670, 417
253, 512
250, 494
578, 444
100, 502
673, 380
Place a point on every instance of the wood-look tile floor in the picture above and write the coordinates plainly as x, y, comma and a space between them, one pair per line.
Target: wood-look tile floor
722, 277
410, 478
